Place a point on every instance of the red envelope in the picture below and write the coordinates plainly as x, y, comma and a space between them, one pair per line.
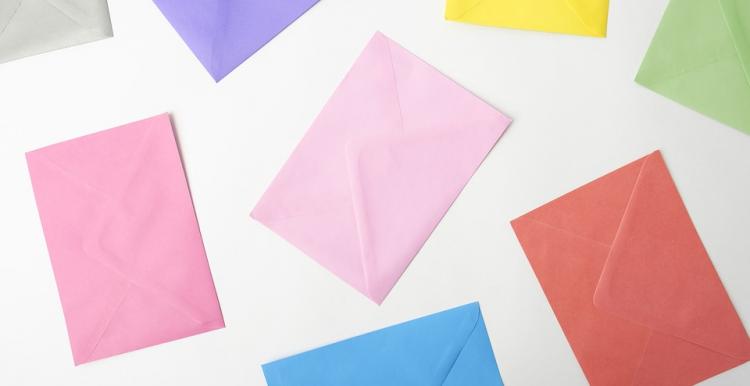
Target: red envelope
631, 283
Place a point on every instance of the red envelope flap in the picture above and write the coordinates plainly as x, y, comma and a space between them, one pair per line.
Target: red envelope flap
594, 210
659, 274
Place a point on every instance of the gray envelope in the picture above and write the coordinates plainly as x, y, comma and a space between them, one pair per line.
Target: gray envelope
30, 27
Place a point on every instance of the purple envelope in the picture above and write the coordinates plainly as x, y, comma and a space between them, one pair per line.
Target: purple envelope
225, 33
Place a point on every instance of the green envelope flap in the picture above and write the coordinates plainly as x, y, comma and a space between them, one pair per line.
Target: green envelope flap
737, 16
698, 60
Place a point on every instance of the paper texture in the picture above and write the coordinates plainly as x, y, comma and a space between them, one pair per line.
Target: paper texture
700, 58
224, 33
123, 240
30, 27
630, 282
379, 167
576, 17
450, 348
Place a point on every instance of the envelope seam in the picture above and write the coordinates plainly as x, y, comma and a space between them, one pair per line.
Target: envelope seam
108, 323
458, 355
735, 43
395, 83
567, 231
12, 16
578, 16
473, 7
71, 18
619, 226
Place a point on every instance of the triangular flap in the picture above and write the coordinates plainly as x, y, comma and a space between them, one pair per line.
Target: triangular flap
402, 185
246, 26
8, 11
315, 178
659, 274
593, 14
197, 24
456, 9
691, 35
419, 352
737, 16
428, 98
592, 211
568, 268
476, 364
40, 26
90, 14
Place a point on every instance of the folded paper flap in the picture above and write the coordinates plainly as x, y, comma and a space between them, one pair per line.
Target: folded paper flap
198, 25
365, 102
421, 351
223, 34
135, 232
456, 9
416, 177
659, 274
677, 51
8, 10
590, 13
388, 90
737, 16
594, 210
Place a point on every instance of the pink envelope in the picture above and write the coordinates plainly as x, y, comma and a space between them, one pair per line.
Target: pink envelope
379, 167
124, 240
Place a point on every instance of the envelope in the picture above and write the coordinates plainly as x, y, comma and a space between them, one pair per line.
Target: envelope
575, 17
630, 282
224, 33
30, 27
123, 239
700, 58
379, 167
450, 348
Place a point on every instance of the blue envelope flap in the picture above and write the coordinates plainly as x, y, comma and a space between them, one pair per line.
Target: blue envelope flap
448, 348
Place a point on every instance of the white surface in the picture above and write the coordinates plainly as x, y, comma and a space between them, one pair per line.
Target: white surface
577, 112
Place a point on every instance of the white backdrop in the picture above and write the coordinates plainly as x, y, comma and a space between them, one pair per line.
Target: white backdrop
578, 114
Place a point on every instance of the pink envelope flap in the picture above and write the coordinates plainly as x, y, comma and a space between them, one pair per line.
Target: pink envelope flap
390, 104
123, 240
401, 189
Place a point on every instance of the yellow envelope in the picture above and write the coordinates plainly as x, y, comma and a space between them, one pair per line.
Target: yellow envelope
576, 17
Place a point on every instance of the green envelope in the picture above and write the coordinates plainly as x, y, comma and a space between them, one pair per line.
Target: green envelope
700, 57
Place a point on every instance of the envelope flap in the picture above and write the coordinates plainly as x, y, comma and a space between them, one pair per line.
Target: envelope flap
455, 9
592, 211
89, 14
418, 352
692, 35
659, 274
223, 34
8, 11
737, 16
132, 226
593, 14
402, 185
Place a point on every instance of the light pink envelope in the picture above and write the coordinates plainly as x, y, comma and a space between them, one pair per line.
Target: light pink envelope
379, 167
124, 241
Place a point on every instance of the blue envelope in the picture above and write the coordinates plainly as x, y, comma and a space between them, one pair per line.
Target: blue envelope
450, 348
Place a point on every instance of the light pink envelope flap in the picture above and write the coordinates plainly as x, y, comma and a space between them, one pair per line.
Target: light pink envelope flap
380, 166
123, 239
